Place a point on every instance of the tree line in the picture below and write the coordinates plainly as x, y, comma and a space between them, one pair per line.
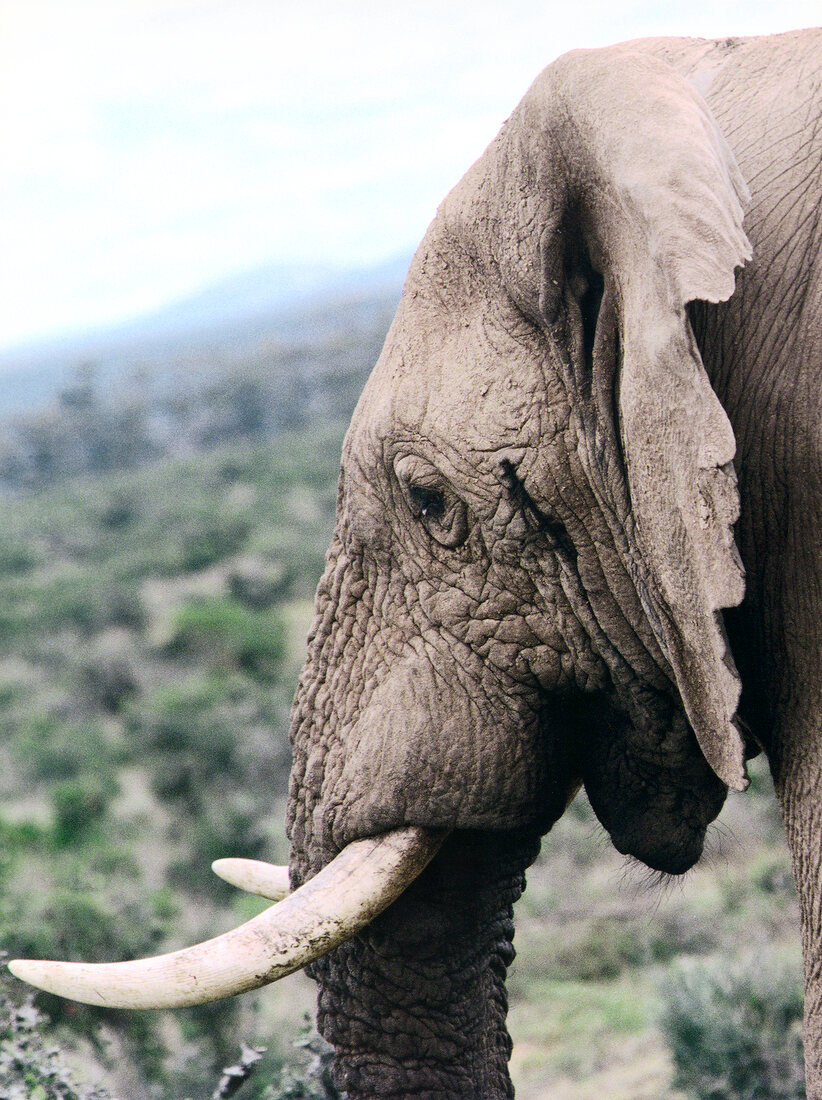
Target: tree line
100, 423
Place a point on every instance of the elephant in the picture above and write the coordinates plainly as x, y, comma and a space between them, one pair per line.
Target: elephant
576, 546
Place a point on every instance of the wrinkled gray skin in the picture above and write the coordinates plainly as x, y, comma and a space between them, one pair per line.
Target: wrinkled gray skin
535, 541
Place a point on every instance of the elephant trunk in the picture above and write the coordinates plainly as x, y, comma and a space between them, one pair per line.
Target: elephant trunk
416, 1005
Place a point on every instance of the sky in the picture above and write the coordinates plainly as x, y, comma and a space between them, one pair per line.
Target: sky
152, 147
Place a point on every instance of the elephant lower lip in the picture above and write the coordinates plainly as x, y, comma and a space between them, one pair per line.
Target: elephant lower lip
673, 860
678, 863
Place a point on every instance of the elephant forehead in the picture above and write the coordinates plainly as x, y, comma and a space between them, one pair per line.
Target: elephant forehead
464, 379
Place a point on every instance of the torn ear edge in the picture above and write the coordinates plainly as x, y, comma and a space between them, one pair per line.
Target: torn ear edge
678, 448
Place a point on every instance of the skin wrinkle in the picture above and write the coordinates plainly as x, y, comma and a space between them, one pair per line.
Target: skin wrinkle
779, 201
774, 157
773, 405
794, 243
647, 645
617, 531
593, 542
637, 650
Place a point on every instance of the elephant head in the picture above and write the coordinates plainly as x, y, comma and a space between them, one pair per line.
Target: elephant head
533, 546
534, 522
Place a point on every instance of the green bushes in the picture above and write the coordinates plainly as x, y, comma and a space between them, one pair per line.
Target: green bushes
146, 676
16, 557
79, 804
232, 634
735, 1029
597, 949
68, 599
53, 746
209, 540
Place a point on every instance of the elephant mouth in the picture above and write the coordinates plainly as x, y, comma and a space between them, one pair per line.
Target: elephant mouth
328, 909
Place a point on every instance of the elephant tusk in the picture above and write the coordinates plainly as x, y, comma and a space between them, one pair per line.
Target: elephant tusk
252, 875
330, 908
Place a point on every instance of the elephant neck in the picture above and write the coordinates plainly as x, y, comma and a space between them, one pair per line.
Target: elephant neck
417, 1006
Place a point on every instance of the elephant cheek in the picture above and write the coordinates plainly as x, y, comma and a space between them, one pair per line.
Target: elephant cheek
423, 755
421, 772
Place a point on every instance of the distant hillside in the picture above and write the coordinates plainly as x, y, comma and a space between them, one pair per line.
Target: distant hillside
228, 323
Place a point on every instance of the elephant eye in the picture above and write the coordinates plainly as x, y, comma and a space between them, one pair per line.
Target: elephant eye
432, 502
443, 515
426, 502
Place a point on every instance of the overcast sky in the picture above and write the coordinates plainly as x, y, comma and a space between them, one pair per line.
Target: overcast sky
150, 147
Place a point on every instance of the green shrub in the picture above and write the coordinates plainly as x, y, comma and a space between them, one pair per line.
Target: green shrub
187, 726
52, 747
105, 679
225, 826
211, 732
78, 804
16, 557
597, 949
735, 1030
119, 510
680, 931
235, 635
76, 598
208, 540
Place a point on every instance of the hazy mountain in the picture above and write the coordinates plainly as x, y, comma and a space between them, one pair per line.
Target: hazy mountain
278, 303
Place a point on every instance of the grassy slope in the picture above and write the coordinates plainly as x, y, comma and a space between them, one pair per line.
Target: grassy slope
143, 730
598, 937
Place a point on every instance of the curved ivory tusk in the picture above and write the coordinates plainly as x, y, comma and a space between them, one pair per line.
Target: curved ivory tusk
324, 912
255, 877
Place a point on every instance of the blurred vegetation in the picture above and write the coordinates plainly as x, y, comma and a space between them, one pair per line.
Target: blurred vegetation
152, 625
734, 1027
158, 558
30, 1070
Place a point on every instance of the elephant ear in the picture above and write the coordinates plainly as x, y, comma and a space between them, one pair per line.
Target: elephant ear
653, 190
